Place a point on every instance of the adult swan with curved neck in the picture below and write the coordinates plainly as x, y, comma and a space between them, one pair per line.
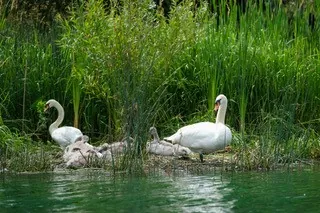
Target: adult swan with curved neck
65, 135
205, 137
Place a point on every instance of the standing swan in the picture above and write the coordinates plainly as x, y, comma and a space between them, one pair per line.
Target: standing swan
65, 135
205, 137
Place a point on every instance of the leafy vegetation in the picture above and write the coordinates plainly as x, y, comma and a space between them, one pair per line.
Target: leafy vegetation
123, 71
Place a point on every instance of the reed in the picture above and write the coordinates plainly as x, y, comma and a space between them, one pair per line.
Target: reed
20, 154
128, 68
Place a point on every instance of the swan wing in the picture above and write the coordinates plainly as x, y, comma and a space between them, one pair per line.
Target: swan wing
160, 149
205, 137
66, 135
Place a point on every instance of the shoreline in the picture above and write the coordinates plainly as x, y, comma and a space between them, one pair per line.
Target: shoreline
172, 165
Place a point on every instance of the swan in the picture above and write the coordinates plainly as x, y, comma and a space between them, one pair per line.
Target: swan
115, 148
65, 135
79, 152
119, 147
205, 137
161, 147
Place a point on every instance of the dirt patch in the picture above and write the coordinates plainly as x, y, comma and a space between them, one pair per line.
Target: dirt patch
192, 164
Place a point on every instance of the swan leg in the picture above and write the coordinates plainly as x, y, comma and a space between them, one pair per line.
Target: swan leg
201, 157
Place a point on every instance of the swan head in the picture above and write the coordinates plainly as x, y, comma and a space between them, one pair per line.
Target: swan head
221, 100
49, 104
153, 130
182, 151
83, 138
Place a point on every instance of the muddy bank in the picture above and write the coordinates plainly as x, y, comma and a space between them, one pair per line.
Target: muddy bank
192, 164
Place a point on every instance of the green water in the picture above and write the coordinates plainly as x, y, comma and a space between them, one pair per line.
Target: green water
280, 191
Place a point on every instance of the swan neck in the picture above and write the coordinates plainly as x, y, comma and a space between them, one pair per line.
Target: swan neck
60, 118
221, 114
156, 137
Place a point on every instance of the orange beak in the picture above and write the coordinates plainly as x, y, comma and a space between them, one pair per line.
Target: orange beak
46, 107
216, 106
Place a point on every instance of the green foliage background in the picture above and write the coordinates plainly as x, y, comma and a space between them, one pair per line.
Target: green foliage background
119, 71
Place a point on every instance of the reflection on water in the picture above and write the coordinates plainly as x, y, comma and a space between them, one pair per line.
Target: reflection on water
214, 192
100, 193
203, 193
281, 191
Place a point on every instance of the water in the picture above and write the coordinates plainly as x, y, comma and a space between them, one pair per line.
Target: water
281, 191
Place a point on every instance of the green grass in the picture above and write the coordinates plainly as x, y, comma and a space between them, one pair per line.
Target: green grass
118, 73
20, 153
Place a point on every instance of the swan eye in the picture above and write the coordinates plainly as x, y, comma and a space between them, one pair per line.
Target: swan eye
47, 106
218, 101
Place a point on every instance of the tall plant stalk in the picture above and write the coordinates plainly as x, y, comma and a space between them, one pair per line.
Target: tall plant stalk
76, 96
136, 68
24, 95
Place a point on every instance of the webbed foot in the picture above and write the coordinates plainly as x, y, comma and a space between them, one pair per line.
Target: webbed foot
201, 157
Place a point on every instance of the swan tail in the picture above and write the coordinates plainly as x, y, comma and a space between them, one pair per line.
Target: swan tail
175, 138
168, 139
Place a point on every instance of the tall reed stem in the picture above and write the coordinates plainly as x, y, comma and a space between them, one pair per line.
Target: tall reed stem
76, 94
24, 95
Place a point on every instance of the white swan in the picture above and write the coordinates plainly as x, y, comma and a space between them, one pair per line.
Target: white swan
65, 135
205, 137
160, 147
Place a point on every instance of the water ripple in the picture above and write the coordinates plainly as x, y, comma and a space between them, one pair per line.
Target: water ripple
99, 192
203, 193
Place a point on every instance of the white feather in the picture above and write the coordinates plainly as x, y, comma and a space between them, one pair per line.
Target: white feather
65, 135
205, 137
160, 147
